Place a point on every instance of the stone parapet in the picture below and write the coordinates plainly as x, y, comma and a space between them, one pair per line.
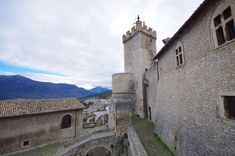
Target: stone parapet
122, 83
136, 148
123, 105
139, 27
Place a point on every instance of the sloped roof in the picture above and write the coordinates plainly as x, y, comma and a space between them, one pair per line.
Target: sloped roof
24, 107
185, 25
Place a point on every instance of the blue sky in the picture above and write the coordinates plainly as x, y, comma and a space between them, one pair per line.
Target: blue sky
6, 69
79, 42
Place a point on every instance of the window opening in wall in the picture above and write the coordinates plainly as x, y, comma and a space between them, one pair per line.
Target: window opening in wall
26, 143
175, 138
224, 26
227, 13
220, 36
217, 20
66, 121
229, 107
179, 56
150, 114
230, 30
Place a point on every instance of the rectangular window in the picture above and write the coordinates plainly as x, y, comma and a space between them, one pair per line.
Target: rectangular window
230, 30
229, 107
26, 143
181, 58
217, 20
177, 60
227, 13
150, 113
224, 26
220, 36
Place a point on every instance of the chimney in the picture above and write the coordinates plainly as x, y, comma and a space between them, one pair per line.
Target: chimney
166, 40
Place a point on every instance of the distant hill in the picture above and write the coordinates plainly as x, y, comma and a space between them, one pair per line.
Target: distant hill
105, 95
98, 90
19, 87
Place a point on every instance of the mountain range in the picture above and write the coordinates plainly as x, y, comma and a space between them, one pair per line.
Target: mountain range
19, 87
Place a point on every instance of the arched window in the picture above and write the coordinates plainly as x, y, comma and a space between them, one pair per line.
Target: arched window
66, 121
179, 54
222, 24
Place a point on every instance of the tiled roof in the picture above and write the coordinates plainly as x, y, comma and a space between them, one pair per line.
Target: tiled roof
23, 107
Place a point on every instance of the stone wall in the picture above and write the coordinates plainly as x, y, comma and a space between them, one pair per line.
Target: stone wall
188, 100
150, 84
122, 83
37, 129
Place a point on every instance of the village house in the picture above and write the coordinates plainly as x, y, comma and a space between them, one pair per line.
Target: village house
29, 123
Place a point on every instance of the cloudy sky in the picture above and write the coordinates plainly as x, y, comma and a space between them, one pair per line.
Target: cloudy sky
79, 42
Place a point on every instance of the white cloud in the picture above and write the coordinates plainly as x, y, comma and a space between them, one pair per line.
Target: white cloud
80, 39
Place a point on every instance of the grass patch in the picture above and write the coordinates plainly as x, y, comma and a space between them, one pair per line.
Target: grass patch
48, 150
152, 142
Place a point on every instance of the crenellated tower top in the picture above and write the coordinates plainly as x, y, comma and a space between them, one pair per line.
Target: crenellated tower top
139, 27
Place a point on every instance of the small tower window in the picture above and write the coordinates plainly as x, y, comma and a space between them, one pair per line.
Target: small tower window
223, 25
66, 121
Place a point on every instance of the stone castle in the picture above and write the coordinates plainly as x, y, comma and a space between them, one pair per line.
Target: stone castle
187, 89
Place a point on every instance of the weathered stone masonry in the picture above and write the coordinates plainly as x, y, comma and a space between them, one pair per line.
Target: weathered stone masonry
183, 90
188, 114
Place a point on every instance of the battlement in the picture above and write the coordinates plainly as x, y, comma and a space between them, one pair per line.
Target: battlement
139, 27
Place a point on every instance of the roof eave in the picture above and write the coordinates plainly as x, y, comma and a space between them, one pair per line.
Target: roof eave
27, 114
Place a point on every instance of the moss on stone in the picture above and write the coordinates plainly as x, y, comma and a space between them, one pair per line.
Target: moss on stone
152, 143
47, 150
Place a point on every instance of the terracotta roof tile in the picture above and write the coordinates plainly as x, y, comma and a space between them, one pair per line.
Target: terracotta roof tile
22, 107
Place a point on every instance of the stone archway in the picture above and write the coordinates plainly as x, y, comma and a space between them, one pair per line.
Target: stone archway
99, 151
82, 147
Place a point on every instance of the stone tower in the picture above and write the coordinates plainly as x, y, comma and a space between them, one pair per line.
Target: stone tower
139, 50
122, 100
